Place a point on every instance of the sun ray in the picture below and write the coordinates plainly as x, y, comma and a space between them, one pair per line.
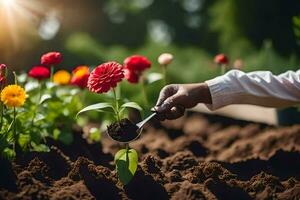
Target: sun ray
20, 17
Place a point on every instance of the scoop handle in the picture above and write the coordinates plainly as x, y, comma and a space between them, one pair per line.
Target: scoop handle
142, 123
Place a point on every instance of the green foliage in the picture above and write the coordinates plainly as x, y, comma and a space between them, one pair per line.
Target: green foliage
97, 107
94, 135
126, 164
130, 105
49, 111
296, 23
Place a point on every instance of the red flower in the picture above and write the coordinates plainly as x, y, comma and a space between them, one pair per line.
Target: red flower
137, 63
221, 59
39, 72
105, 76
80, 76
2, 67
131, 76
2, 73
51, 58
2, 79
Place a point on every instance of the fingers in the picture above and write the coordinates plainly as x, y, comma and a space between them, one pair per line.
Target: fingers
173, 113
166, 92
169, 103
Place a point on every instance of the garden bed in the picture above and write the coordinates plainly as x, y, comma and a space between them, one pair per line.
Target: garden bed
195, 157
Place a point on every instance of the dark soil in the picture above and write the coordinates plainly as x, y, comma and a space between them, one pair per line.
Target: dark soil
123, 131
195, 157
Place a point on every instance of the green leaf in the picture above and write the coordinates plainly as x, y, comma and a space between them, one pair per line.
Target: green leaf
131, 105
39, 147
9, 153
97, 107
153, 77
126, 164
23, 141
56, 133
66, 137
44, 98
94, 134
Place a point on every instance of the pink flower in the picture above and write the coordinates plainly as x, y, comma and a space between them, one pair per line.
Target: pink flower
165, 59
2, 73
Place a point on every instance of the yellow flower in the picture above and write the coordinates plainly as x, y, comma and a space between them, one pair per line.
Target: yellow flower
62, 77
13, 96
81, 71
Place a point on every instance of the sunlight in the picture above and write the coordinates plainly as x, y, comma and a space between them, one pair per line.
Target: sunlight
19, 17
7, 2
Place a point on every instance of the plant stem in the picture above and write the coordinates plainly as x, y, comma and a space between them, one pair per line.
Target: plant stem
117, 105
145, 93
15, 125
37, 103
127, 146
223, 69
15, 78
51, 74
165, 74
2, 113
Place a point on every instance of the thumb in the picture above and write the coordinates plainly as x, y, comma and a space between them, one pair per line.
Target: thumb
169, 103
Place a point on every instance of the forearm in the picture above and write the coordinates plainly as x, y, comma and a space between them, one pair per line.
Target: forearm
258, 88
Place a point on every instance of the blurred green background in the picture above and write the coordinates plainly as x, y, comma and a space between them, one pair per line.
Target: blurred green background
260, 33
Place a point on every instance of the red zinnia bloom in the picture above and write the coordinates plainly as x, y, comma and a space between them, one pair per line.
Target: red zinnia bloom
2, 67
80, 76
131, 76
105, 76
2, 73
221, 59
39, 72
51, 58
137, 63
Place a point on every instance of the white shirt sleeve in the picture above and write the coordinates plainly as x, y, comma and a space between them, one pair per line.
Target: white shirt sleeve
257, 88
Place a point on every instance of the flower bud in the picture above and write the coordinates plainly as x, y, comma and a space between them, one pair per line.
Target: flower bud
165, 59
221, 59
238, 64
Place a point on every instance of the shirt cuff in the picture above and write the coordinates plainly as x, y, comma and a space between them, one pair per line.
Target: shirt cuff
220, 91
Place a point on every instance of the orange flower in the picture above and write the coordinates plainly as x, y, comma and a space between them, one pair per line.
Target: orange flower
80, 76
62, 77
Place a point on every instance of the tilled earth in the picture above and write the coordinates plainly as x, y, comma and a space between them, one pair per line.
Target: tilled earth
195, 157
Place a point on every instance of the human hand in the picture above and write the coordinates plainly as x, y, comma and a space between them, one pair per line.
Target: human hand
174, 99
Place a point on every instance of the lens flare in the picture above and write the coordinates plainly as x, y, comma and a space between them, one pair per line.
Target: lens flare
17, 18
7, 2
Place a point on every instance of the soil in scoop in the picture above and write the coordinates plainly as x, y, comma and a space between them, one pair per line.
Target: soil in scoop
123, 131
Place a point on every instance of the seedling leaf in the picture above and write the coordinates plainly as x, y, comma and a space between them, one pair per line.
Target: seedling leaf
131, 105
126, 164
97, 107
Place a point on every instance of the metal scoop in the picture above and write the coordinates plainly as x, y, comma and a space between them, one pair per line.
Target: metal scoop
140, 126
